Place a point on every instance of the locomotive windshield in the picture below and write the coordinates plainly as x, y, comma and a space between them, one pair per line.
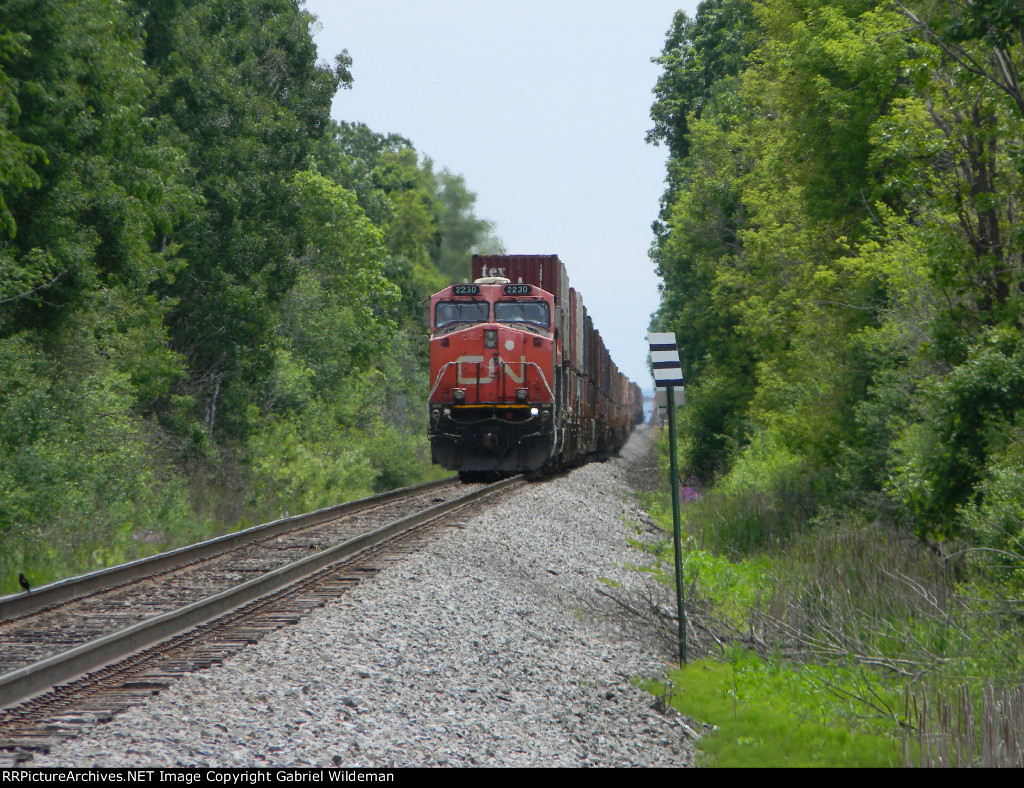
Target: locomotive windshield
451, 312
533, 312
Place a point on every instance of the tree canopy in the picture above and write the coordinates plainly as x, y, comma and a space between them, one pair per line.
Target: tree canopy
209, 290
842, 256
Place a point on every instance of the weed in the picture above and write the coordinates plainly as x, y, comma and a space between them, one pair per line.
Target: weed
768, 715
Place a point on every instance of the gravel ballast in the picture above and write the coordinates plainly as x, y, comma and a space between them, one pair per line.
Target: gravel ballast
496, 645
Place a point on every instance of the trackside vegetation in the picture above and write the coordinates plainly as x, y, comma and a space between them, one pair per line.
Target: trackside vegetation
766, 714
209, 290
841, 249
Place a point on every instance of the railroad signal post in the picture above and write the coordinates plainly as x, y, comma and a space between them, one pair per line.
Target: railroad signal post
668, 374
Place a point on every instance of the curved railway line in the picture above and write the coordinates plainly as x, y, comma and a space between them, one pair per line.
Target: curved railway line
75, 653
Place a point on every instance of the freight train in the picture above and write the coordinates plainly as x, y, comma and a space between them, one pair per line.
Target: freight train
520, 379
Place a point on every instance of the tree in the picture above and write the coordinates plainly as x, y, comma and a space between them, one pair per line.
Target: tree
240, 85
462, 232
956, 26
841, 253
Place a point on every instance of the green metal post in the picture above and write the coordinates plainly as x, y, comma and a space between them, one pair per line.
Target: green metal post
676, 538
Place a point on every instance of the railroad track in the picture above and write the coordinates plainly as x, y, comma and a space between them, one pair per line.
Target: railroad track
68, 662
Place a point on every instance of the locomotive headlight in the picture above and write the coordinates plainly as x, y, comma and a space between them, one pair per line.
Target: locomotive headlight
521, 395
490, 338
460, 395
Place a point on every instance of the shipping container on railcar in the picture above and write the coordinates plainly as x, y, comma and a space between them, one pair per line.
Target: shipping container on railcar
636, 403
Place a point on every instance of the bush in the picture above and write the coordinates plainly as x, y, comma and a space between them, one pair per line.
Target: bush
84, 481
767, 498
996, 521
950, 457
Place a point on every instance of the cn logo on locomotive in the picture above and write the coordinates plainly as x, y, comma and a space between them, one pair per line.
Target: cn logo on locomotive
473, 369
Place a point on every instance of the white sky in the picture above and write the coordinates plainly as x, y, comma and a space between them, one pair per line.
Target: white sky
543, 106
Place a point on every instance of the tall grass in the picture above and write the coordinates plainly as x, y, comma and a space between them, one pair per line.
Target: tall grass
292, 469
943, 731
868, 594
867, 615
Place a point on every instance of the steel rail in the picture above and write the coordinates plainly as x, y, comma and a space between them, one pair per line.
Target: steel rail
20, 685
20, 604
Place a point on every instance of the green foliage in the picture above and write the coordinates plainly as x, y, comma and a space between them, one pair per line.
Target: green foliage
79, 487
244, 97
429, 226
463, 233
976, 412
209, 292
102, 181
304, 465
350, 445
840, 257
699, 55
769, 715
730, 587
994, 21
844, 267
768, 500
863, 613
16, 156
996, 521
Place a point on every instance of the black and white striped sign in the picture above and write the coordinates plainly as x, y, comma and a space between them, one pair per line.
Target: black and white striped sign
665, 360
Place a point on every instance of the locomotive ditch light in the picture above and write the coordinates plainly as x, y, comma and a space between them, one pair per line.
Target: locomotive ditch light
490, 338
534, 411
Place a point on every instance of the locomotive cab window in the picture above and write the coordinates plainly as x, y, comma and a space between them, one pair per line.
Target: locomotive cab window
449, 313
532, 312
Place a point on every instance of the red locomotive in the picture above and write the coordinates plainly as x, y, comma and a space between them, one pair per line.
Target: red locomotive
520, 380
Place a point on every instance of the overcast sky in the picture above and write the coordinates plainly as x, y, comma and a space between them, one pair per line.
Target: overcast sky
543, 106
